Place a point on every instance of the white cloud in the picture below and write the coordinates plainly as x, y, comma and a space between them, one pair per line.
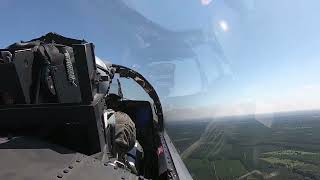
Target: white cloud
304, 98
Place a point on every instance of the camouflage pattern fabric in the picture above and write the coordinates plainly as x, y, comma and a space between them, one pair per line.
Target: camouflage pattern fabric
125, 133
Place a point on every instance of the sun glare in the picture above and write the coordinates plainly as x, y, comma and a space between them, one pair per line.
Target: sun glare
205, 2
224, 25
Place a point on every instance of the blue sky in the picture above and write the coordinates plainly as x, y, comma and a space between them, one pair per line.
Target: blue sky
271, 47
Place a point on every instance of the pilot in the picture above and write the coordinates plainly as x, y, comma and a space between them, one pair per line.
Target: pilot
125, 147
124, 133
122, 129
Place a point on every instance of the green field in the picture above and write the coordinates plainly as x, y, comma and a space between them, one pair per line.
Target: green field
306, 163
229, 168
200, 169
205, 169
243, 147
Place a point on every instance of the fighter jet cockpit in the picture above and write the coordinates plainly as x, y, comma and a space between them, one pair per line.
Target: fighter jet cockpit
160, 89
57, 101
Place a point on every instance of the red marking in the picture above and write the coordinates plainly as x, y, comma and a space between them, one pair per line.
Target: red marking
160, 150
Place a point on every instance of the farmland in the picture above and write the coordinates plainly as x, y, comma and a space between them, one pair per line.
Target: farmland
282, 146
